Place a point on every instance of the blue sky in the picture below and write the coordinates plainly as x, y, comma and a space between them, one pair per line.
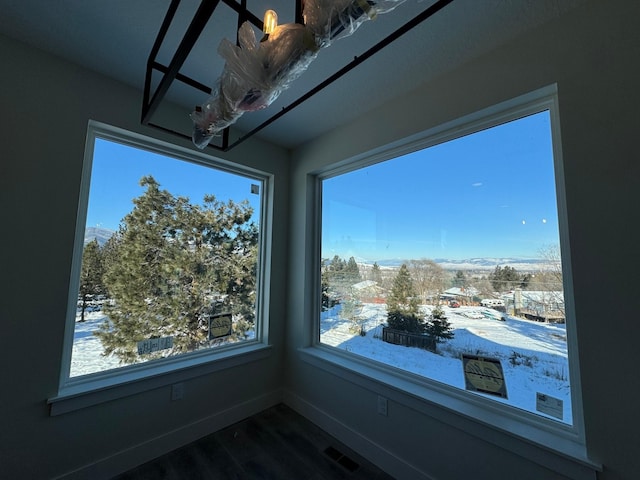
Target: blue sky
489, 194
117, 170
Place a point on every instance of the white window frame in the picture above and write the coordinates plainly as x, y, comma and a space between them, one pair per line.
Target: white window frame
491, 420
86, 390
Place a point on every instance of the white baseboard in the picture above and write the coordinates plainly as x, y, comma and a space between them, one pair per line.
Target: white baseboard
364, 446
124, 460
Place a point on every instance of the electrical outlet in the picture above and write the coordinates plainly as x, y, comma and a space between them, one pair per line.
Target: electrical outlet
382, 406
177, 391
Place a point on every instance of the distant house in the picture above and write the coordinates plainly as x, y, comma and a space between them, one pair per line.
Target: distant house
367, 291
541, 306
463, 295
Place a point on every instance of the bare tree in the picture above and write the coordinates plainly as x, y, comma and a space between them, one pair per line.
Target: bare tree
429, 278
548, 301
551, 273
483, 285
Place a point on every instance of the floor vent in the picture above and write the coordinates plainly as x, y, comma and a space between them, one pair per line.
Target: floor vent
342, 459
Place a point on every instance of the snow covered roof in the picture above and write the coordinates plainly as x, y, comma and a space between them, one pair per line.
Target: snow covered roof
462, 291
364, 284
542, 296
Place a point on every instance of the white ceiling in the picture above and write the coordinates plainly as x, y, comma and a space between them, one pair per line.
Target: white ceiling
115, 37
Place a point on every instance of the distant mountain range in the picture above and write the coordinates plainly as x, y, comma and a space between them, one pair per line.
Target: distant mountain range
492, 263
97, 233
488, 263
474, 263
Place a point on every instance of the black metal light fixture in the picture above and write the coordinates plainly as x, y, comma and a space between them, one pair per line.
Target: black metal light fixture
322, 33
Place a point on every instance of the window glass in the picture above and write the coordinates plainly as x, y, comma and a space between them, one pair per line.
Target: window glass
445, 263
169, 262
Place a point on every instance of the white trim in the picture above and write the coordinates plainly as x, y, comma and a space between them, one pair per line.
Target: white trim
83, 391
116, 384
542, 99
531, 442
567, 440
141, 453
571, 322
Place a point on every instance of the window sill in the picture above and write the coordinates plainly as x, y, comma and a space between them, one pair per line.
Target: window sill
93, 390
557, 449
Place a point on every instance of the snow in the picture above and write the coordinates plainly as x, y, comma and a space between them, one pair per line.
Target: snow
533, 355
86, 355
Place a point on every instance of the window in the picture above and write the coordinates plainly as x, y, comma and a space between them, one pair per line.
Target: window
440, 262
168, 259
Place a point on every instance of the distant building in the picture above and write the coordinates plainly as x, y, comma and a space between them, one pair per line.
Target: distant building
367, 291
463, 295
541, 306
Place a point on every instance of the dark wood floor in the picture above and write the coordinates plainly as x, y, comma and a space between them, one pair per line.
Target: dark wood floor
275, 444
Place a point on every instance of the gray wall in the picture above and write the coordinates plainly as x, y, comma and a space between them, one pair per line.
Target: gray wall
46, 104
592, 54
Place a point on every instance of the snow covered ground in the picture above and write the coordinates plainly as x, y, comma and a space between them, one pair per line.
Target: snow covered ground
86, 356
533, 355
87, 353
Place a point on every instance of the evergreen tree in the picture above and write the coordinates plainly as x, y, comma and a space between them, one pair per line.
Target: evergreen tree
329, 296
460, 280
341, 276
411, 323
174, 264
352, 272
109, 251
403, 297
376, 274
335, 272
438, 327
526, 280
337, 264
90, 275
402, 304
504, 279
324, 287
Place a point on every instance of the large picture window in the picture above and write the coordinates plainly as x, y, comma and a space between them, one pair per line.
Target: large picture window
169, 261
443, 263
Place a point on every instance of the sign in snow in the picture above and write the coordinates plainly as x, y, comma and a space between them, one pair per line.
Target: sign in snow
550, 405
219, 325
482, 374
151, 345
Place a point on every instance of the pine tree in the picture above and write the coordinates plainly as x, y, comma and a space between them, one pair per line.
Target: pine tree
352, 272
335, 272
109, 254
90, 275
460, 280
324, 286
340, 276
376, 274
402, 304
504, 279
438, 327
174, 264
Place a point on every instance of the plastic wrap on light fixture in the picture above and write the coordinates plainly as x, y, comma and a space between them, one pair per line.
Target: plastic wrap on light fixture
255, 73
330, 20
